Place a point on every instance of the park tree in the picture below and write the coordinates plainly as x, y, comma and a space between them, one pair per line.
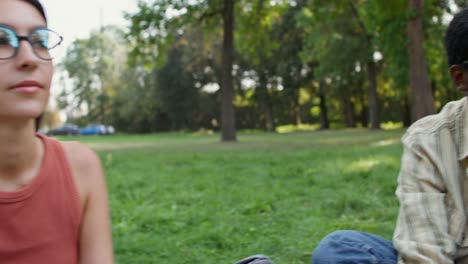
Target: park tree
414, 59
370, 64
137, 108
228, 125
386, 24
177, 94
156, 23
335, 62
436, 13
295, 74
95, 66
422, 97
257, 49
388, 20
339, 44
177, 81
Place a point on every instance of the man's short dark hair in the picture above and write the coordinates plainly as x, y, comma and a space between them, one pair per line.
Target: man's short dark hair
456, 39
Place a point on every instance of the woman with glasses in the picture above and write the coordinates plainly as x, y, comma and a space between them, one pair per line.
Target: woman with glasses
53, 198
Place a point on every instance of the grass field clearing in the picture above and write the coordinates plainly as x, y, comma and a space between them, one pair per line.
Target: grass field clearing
188, 198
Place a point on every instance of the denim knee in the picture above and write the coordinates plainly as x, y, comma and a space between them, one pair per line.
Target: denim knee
327, 246
349, 246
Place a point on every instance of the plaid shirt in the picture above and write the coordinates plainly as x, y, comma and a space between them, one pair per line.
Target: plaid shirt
433, 189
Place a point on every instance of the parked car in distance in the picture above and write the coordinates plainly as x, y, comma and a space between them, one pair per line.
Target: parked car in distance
110, 130
65, 129
93, 129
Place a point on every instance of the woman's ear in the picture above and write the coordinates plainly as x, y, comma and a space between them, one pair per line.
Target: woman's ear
459, 77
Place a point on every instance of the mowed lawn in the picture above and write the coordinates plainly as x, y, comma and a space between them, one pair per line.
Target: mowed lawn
188, 198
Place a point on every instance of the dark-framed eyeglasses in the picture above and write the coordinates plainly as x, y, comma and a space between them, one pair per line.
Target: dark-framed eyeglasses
42, 41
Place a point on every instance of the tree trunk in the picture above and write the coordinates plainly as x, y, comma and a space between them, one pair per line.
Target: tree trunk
372, 75
228, 125
348, 112
373, 98
364, 111
265, 102
297, 111
324, 122
421, 95
406, 112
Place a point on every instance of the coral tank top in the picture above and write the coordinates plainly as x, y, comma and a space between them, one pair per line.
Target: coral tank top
40, 223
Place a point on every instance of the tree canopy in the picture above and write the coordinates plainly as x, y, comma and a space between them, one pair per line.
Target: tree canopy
256, 64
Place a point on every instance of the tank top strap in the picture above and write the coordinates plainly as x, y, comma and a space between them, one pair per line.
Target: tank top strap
63, 165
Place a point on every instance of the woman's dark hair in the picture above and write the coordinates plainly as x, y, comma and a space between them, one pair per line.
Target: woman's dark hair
36, 4
38, 7
456, 39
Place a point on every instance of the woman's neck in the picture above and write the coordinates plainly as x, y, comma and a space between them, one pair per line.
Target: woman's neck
21, 154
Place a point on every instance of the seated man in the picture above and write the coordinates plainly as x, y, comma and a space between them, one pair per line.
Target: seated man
432, 184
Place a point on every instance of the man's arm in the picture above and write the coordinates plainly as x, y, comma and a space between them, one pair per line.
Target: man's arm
422, 232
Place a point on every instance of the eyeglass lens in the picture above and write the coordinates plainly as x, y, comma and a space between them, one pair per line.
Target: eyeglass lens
42, 41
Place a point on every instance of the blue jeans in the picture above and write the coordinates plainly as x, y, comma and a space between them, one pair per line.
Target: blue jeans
350, 247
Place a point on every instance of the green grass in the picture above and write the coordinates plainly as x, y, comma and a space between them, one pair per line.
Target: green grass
187, 198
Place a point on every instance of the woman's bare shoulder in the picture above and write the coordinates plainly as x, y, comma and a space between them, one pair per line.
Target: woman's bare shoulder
81, 156
95, 238
85, 167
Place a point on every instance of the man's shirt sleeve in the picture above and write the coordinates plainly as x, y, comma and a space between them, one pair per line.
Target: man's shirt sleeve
422, 230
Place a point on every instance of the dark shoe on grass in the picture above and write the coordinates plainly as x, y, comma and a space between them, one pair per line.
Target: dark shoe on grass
256, 259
